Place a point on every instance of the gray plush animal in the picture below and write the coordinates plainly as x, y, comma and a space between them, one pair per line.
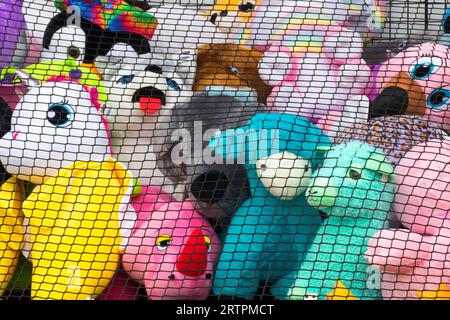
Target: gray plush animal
181, 144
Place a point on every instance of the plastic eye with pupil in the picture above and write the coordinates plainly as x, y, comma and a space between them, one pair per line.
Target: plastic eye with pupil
234, 70
59, 115
263, 167
355, 175
73, 52
163, 245
126, 79
422, 70
246, 7
438, 98
173, 84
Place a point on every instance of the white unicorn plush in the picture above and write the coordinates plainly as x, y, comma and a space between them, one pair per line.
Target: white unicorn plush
137, 102
77, 219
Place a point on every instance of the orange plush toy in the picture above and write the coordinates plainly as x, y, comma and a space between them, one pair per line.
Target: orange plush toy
230, 69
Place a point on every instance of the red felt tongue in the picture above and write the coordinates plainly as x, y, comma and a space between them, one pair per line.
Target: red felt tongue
150, 105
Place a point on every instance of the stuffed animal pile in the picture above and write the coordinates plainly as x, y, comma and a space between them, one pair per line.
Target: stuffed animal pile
246, 149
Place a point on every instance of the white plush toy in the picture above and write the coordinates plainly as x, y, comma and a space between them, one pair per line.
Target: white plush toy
50, 130
137, 101
59, 140
181, 28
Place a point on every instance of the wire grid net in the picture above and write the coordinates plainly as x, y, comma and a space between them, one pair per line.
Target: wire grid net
230, 149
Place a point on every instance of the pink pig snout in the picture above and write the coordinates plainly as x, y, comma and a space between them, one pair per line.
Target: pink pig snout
192, 261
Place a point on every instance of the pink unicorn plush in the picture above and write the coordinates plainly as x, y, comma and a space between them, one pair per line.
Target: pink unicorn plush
315, 68
173, 249
415, 81
415, 262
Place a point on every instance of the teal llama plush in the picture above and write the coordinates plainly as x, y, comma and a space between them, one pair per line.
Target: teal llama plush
272, 229
355, 189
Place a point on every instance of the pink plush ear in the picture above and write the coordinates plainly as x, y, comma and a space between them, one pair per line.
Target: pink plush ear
149, 200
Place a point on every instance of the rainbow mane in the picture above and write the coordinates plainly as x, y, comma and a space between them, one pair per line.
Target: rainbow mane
113, 15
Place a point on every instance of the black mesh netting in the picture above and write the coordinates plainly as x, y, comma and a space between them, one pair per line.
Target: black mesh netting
229, 149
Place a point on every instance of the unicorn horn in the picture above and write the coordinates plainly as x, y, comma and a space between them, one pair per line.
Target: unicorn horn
28, 81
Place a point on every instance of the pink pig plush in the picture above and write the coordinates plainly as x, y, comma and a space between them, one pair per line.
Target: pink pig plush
315, 66
173, 249
415, 262
415, 81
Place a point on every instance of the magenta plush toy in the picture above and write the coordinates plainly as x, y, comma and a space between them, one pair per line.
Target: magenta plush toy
415, 262
173, 249
314, 67
416, 81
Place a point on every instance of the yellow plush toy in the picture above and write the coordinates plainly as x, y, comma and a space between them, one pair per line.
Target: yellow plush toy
77, 229
78, 216
12, 193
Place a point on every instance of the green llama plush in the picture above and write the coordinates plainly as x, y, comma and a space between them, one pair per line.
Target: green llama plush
354, 188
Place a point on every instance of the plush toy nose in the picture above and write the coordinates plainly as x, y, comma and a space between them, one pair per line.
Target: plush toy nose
391, 101
210, 186
193, 258
213, 18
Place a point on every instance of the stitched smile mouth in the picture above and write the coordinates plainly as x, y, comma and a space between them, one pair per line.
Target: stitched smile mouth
207, 276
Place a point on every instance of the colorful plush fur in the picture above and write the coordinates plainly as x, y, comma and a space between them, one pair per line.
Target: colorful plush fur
256, 23
395, 135
354, 189
314, 68
13, 45
414, 262
87, 30
137, 101
68, 68
271, 230
415, 81
230, 69
173, 250
77, 215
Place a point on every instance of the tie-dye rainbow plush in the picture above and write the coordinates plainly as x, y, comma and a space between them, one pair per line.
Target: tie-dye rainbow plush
304, 33
113, 15
364, 16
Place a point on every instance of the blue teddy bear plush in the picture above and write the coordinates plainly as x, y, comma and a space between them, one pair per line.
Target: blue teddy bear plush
271, 231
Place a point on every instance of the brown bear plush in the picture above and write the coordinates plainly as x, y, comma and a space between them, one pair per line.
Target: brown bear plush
229, 65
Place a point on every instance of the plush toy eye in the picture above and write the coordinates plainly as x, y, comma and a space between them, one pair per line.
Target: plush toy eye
60, 114
173, 85
234, 70
208, 243
73, 52
246, 7
424, 67
126, 79
438, 99
263, 167
353, 174
163, 242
